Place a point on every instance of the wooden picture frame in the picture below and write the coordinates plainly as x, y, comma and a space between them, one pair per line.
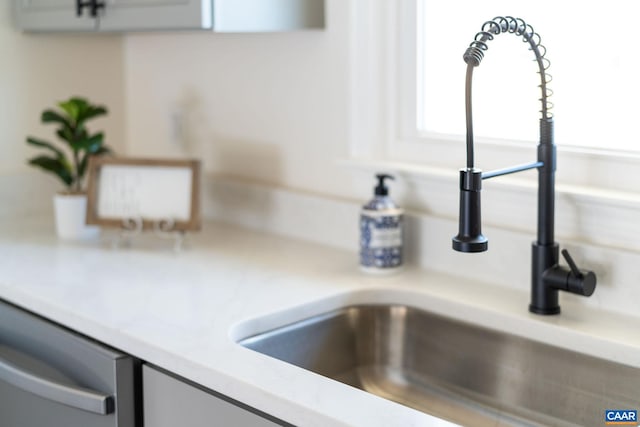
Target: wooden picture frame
152, 192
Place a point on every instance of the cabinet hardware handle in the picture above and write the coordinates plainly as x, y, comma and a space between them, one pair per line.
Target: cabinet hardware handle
93, 5
75, 397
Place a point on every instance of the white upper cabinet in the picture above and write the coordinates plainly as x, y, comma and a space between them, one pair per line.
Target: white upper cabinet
143, 15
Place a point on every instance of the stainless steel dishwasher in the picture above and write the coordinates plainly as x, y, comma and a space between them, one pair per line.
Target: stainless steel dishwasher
51, 376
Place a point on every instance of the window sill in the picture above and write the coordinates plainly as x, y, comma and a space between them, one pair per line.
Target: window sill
597, 216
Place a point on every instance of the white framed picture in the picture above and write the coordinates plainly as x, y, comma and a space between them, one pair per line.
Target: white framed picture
149, 191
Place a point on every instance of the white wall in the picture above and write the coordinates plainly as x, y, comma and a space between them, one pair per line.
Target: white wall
36, 71
265, 107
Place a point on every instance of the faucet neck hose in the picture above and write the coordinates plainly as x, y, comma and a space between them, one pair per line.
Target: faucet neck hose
469, 116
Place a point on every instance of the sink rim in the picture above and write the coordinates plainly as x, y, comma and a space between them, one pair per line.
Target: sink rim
566, 332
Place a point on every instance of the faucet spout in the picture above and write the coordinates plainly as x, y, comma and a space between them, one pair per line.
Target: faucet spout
547, 277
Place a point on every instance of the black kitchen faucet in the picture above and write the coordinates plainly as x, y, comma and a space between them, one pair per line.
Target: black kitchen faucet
547, 276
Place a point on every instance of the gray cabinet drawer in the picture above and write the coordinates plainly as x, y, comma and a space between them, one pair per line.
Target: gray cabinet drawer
170, 402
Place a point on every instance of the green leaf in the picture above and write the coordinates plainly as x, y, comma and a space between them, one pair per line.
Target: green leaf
89, 113
65, 134
50, 116
74, 107
45, 144
81, 103
91, 144
57, 166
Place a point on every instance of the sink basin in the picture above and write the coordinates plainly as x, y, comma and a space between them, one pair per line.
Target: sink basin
456, 371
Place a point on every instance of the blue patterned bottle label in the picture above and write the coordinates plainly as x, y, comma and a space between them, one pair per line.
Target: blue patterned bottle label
380, 241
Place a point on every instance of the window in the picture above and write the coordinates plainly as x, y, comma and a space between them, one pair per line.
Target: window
407, 81
593, 66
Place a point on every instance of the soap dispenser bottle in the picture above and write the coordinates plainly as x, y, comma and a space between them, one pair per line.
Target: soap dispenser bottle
381, 231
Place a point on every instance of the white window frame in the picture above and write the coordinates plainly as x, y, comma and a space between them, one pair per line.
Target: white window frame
596, 189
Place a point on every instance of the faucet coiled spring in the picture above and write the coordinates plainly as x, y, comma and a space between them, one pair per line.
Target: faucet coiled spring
508, 24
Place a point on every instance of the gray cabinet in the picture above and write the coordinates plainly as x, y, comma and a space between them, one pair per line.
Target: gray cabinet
51, 15
170, 402
141, 15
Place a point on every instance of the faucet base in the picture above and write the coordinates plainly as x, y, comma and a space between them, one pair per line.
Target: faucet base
544, 297
546, 311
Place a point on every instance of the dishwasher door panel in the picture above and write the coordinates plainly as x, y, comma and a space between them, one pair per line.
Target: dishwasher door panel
23, 409
51, 376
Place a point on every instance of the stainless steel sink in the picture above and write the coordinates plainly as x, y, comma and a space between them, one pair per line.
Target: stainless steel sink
460, 372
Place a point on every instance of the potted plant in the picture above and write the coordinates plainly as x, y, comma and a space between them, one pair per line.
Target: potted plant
69, 162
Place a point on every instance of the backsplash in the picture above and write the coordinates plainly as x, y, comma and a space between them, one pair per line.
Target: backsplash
334, 222
27, 194
295, 214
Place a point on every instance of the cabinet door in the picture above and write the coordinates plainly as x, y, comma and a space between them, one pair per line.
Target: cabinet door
51, 15
171, 402
134, 15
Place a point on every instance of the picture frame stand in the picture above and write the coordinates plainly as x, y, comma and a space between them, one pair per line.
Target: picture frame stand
163, 228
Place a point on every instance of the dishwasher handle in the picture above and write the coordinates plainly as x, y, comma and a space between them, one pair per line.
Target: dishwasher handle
75, 397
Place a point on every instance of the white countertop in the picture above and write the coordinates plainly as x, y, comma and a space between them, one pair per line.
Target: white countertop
183, 311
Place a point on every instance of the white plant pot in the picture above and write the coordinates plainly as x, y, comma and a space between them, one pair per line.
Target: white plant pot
71, 213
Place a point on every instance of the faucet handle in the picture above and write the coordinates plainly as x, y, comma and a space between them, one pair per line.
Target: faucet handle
579, 281
572, 265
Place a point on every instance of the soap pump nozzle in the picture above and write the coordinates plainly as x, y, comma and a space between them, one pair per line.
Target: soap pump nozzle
381, 189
